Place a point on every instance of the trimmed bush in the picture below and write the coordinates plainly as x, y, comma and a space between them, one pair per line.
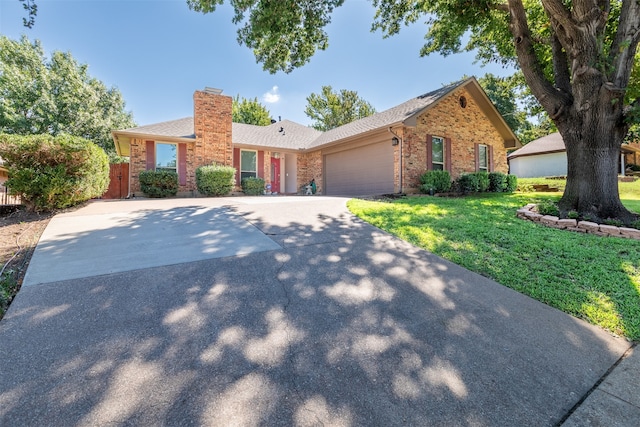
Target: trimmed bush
435, 182
215, 180
483, 181
497, 182
252, 186
468, 183
159, 184
50, 172
512, 183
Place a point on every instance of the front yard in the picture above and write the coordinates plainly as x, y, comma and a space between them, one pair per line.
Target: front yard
590, 277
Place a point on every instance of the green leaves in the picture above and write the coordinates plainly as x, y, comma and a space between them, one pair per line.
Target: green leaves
283, 34
331, 109
54, 172
250, 111
55, 96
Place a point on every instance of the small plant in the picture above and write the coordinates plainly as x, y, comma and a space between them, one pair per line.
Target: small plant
161, 183
614, 222
252, 186
547, 207
635, 224
215, 180
573, 215
435, 182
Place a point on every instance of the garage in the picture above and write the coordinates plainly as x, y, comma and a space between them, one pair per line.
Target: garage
360, 171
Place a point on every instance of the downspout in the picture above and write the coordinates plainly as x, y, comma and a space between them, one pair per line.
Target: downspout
400, 162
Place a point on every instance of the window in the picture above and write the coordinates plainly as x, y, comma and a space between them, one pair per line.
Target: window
483, 158
166, 157
248, 164
437, 153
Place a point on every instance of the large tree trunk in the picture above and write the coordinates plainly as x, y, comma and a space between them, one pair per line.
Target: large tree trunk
592, 176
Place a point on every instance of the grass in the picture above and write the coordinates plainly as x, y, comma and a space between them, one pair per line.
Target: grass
590, 277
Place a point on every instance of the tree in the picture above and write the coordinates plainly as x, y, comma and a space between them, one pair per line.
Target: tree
506, 94
520, 109
55, 96
250, 111
331, 109
577, 57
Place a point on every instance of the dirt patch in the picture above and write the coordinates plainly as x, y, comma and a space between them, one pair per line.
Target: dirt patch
19, 233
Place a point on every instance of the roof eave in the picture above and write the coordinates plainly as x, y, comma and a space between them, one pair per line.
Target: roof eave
122, 140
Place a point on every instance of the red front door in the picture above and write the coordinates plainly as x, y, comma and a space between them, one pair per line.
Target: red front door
275, 175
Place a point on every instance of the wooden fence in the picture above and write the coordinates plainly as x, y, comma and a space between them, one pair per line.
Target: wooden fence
6, 199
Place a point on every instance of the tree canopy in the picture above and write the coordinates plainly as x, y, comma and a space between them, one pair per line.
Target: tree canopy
329, 109
250, 111
56, 95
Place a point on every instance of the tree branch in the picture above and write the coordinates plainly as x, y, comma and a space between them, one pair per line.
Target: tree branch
560, 65
553, 101
623, 48
559, 13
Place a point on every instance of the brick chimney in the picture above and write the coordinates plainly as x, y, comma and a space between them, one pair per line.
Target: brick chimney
212, 119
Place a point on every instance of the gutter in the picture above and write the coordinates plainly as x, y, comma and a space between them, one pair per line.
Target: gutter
400, 161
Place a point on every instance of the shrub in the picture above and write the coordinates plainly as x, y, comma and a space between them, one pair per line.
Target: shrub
467, 183
483, 181
215, 180
50, 172
497, 182
614, 222
547, 207
435, 182
252, 186
512, 183
161, 183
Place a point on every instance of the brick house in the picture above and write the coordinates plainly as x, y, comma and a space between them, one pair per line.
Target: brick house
455, 128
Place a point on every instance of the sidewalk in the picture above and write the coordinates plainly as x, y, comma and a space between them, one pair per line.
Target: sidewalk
615, 402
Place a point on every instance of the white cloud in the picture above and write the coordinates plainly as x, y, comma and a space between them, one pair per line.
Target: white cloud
272, 96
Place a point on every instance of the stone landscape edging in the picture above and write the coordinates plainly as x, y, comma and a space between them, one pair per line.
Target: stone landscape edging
587, 227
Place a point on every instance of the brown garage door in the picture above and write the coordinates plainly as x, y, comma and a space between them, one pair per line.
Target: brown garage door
360, 171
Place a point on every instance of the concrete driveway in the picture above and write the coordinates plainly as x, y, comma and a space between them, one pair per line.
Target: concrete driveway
276, 311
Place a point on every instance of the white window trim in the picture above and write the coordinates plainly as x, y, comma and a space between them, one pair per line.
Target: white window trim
486, 158
444, 154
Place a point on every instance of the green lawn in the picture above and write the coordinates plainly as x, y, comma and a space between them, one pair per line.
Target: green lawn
590, 277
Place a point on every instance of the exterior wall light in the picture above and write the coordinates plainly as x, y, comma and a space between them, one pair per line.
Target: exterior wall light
395, 141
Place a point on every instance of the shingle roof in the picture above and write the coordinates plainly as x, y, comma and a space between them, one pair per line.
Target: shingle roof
181, 128
385, 118
284, 134
547, 144
294, 136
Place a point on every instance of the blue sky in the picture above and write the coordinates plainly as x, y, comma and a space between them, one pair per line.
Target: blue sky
158, 52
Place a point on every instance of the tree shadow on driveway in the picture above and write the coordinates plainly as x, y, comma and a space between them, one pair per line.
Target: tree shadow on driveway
343, 325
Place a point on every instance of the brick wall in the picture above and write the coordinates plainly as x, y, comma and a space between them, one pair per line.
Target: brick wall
310, 167
465, 126
137, 163
212, 119
212, 127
